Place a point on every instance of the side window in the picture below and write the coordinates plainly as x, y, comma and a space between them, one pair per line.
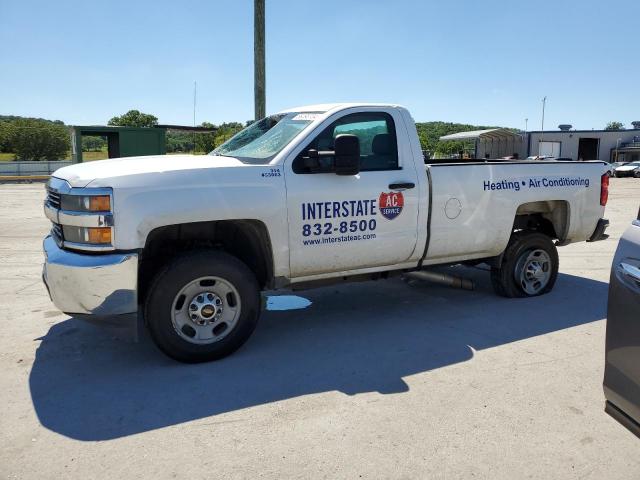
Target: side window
378, 146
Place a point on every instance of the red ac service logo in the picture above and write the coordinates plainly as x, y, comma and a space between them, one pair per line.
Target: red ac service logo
390, 204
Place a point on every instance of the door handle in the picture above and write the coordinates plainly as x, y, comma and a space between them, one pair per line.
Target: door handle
630, 271
401, 186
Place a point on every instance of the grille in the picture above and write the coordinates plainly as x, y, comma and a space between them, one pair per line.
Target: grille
56, 233
53, 198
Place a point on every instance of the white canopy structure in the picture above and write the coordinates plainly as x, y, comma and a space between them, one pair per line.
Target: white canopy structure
490, 143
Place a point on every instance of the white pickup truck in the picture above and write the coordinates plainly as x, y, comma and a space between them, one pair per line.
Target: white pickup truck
302, 198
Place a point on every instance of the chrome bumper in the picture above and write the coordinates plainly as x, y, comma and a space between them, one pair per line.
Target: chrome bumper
101, 285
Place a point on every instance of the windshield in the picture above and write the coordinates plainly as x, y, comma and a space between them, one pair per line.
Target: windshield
261, 141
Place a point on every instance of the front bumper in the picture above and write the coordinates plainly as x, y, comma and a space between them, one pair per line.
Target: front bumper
91, 285
625, 173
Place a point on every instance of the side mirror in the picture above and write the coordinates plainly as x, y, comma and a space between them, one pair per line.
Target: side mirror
347, 155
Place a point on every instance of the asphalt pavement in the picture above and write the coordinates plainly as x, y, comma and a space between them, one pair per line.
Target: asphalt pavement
372, 380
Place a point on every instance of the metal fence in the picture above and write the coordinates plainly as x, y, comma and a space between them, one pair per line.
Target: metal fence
44, 167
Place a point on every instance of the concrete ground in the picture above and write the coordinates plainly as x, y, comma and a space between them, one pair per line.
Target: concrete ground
372, 380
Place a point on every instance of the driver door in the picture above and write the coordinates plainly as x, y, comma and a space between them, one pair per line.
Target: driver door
342, 223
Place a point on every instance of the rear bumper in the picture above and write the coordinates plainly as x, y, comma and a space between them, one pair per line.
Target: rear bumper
598, 233
95, 285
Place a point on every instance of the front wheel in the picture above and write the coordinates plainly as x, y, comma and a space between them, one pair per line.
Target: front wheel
203, 306
529, 266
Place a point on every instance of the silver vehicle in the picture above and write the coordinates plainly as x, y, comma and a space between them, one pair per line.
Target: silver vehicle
612, 167
622, 360
631, 169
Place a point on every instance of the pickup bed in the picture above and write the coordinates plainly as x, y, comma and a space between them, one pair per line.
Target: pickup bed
304, 197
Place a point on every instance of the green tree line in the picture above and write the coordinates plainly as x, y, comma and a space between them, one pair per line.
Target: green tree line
430, 133
40, 139
201, 142
33, 138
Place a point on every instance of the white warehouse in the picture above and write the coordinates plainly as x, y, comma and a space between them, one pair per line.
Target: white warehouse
565, 143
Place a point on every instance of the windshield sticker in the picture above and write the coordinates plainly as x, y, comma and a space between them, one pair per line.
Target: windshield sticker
306, 117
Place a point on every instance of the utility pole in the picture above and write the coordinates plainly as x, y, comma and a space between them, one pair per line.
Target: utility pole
544, 104
524, 137
195, 89
259, 89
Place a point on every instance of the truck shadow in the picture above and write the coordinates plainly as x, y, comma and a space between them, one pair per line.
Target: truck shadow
353, 338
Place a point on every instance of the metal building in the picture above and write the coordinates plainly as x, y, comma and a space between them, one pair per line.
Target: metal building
607, 145
121, 141
491, 143
567, 144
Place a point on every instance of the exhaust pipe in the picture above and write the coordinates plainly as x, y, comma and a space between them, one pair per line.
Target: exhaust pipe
442, 279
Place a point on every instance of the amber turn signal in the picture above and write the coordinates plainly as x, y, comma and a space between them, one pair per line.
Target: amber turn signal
99, 235
100, 203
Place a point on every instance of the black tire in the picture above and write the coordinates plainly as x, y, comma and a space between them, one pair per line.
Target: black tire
168, 283
504, 278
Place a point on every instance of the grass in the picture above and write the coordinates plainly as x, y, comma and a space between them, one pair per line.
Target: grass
89, 156
86, 156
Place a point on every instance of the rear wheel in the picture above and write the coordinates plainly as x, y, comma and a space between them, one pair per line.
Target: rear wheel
203, 306
529, 266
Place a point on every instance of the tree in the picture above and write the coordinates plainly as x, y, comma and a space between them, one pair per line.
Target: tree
92, 143
430, 133
134, 118
226, 131
5, 136
206, 141
39, 140
202, 142
178, 141
614, 126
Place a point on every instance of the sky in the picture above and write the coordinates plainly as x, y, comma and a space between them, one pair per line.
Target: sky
483, 62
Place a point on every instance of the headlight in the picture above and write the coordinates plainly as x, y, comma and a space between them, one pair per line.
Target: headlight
86, 203
87, 235
82, 217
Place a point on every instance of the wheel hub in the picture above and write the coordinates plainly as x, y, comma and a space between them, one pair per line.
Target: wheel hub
533, 271
205, 308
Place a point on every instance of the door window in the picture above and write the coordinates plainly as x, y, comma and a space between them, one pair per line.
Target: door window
378, 145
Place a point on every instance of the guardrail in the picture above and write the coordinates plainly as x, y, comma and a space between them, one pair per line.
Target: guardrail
20, 169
